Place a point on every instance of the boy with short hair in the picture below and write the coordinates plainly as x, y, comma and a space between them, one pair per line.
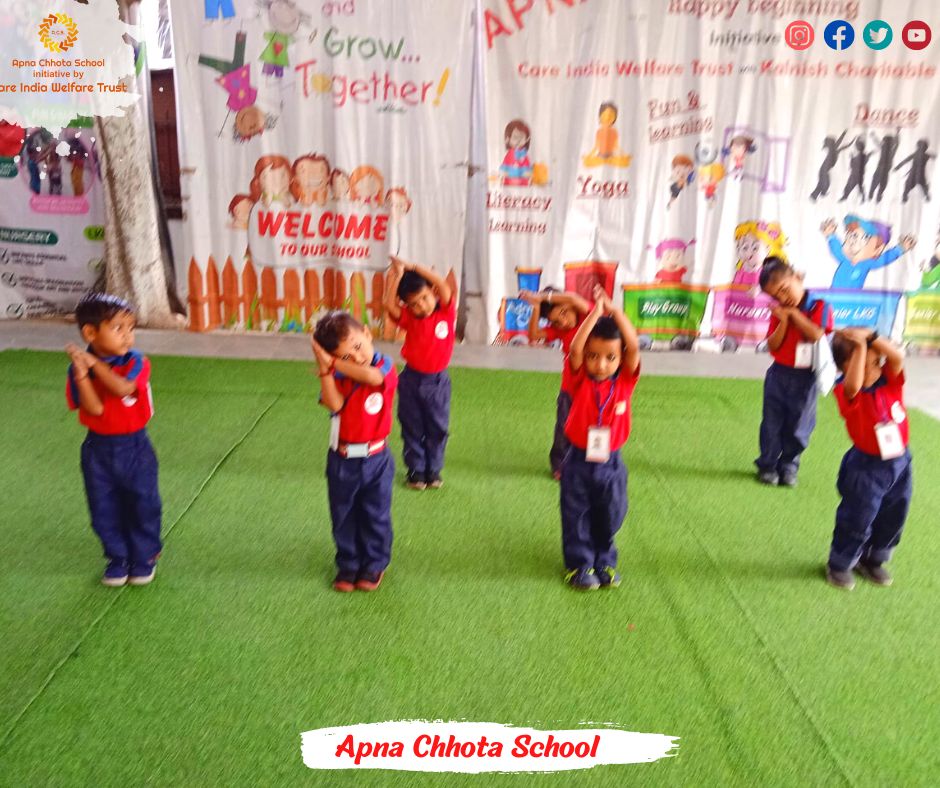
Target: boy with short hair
109, 385
357, 385
875, 475
605, 366
790, 390
424, 306
565, 312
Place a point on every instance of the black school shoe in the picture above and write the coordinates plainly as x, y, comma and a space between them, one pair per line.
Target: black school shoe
583, 579
874, 573
844, 580
434, 481
415, 481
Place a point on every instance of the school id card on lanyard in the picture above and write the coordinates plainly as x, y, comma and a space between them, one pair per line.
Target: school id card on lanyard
598, 442
888, 431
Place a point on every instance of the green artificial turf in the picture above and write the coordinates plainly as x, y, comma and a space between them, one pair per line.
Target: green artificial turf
723, 632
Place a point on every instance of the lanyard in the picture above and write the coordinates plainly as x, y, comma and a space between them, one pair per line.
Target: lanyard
597, 399
882, 405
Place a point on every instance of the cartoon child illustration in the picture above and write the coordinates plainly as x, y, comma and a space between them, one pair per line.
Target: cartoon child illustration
606, 148
670, 254
271, 182
366, 185
889, 147
833, 149
310, 180
339, 185
516, 168
710, 175
76, 158
754, 242
917, 174
36, 147
738, 149
240, 211
285, 19
397, 203
683, 171
863, 249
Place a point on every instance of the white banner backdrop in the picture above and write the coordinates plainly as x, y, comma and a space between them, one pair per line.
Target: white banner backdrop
662, 149
51, 214
317, 138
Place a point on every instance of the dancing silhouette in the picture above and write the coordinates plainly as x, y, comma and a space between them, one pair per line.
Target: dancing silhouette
889, 147
856, 170
831, 146
917, 174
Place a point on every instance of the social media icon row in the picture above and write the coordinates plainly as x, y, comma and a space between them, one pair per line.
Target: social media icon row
840, 35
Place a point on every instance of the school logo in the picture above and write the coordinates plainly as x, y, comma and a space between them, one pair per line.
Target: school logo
620, 408
129, 401
374, 403
897, 413
440, 330
58, 32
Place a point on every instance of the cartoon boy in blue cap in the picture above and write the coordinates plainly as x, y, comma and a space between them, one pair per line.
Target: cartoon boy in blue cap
863, 249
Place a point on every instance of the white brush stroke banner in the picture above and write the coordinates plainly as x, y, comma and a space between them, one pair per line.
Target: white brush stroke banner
475, 747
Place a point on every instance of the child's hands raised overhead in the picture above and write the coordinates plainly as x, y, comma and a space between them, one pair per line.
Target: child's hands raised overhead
532, 298
601, 299
324, 359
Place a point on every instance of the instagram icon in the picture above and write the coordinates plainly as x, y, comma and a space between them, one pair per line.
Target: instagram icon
799, 35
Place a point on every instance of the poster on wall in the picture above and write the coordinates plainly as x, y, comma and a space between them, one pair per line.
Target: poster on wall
51, 218
316, 140
684, 142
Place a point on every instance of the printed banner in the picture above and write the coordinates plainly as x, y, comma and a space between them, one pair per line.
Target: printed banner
316, 139
682, 142
51, 219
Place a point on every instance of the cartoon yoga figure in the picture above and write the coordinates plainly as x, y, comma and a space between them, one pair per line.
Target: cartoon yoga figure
670, 255
754, 242
606, 148
833, 149
863, 250
516, 169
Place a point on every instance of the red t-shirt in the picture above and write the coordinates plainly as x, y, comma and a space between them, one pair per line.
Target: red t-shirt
366, 415
884, 401
590, 397
429, 341
121, 415
818, 311
566, 337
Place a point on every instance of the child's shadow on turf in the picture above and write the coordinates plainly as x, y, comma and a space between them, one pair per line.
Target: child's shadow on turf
700, 471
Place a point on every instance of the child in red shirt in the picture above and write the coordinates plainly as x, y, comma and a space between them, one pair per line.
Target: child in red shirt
357, 387
109, 386
564, 312
790, 390
875, 475
425, 308
605, 366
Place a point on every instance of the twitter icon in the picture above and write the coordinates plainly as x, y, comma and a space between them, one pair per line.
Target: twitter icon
877, 34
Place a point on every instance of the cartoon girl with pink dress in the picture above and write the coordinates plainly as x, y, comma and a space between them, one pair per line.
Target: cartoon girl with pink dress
516, 168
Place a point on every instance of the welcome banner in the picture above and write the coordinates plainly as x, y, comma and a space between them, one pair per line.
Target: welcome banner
317, 138
663, 149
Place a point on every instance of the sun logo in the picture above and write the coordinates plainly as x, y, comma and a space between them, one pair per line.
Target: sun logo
58, 32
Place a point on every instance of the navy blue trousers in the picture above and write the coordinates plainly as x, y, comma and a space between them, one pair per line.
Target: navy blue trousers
424, 413
876, 495
560, 444
121, 485
593, 506
789, 418
360, 493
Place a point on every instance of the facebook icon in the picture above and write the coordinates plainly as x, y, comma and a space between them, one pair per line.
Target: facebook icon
839, 35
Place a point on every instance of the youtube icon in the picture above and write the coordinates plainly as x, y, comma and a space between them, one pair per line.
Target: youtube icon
916, 34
